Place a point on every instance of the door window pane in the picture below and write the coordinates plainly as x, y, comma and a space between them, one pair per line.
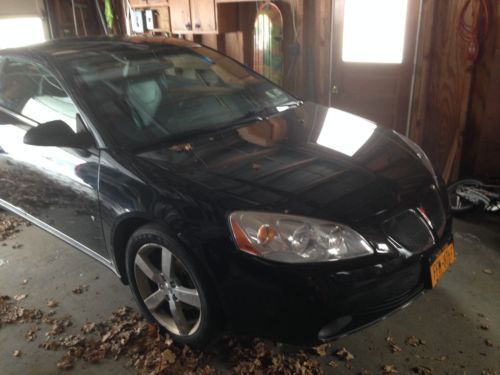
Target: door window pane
18, 32
374, 31
30, 90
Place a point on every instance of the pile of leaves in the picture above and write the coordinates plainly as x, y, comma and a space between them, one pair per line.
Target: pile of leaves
127, 335
9, 226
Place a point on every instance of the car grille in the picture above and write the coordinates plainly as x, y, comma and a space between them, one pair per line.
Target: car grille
434, 209
409, 230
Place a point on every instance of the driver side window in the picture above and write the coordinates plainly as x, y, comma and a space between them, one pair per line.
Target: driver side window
32, 91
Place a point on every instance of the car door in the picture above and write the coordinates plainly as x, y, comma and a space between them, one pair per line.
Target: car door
53, 186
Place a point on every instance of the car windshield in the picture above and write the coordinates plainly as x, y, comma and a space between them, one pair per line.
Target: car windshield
143, 96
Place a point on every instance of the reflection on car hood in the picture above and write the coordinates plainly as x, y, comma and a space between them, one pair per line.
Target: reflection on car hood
312, 160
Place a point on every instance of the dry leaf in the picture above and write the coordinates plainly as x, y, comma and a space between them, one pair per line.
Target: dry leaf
394, 348
80, 289
88, 327
168, 356
488, 342
322, 350
51, 303
414, 341
31, 334
168, 341
389, 369
20, 297
16, 353
344, 354
50, 345
484, 327
66, 363
441, 359
333, 364
488, 271
422, 370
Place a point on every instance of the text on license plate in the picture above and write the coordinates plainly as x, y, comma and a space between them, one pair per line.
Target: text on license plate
441, 264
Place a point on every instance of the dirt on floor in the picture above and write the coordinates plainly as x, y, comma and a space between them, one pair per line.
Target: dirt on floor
61, 312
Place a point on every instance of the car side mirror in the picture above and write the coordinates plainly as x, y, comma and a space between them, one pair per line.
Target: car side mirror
58, 134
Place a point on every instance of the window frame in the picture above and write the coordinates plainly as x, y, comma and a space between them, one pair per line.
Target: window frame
45, 65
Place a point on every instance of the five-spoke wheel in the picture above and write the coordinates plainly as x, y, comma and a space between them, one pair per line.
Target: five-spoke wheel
168, 292
170, 286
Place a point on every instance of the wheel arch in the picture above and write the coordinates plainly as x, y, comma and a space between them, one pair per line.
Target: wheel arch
119, 237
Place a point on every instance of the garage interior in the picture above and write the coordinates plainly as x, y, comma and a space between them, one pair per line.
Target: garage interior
436, 79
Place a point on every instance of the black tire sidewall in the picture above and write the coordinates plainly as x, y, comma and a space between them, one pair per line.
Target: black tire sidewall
154, 234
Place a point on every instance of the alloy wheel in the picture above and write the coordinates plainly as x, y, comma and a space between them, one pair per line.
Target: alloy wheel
168, 289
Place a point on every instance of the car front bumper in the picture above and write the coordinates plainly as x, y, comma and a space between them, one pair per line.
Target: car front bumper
307, 304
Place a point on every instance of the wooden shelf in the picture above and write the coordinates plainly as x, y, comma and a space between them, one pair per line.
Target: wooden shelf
142, 4
149, 6
160, 30
234, 1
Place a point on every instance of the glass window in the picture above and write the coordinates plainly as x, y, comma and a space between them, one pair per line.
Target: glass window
19, 32
374, 31
141, 95
30, 90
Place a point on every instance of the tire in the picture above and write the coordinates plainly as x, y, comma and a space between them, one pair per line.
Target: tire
459, 205
179, 297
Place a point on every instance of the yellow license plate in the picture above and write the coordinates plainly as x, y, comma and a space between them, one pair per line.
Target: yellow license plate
441, 264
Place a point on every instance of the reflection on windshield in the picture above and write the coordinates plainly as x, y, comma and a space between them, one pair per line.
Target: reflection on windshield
345, 132
142, 96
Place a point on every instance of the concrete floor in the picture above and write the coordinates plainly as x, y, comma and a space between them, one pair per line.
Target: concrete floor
448, 318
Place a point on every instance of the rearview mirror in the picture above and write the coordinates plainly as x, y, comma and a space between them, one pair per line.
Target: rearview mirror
58, 134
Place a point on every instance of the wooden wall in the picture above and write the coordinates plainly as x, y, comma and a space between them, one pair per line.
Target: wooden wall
440, 110
456, 99
481, 152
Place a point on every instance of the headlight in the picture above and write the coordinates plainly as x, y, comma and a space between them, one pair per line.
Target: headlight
295, 239
421, 155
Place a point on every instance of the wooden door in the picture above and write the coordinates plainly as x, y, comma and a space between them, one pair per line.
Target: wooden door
203, 16
371, 76
180, 16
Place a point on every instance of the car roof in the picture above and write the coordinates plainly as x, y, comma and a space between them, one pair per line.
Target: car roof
70, 48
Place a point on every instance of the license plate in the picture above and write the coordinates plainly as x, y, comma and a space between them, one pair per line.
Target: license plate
441, 264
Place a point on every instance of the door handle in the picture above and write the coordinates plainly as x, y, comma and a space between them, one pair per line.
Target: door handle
335, 90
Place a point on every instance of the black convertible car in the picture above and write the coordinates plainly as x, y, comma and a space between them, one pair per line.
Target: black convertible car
227, 204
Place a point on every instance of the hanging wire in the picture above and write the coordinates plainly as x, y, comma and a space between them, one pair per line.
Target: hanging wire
474, 33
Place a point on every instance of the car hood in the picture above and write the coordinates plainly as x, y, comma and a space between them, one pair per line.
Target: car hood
311, 160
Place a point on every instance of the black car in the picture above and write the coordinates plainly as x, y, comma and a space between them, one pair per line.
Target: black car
227, 204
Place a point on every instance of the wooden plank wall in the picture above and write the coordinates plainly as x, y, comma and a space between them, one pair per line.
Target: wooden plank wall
316, 51
481, 153
443, 86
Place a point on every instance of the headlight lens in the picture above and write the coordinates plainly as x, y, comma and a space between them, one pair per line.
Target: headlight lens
295, 239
